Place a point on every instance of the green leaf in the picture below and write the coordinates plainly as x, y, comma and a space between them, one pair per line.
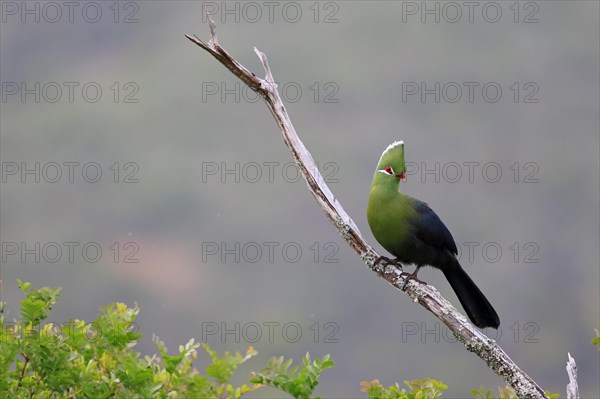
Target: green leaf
596, 340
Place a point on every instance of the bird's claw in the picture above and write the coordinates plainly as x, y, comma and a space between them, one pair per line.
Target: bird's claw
388, 261
412, 276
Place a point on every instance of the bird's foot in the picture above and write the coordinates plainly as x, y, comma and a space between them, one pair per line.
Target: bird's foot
387, 261
412, 276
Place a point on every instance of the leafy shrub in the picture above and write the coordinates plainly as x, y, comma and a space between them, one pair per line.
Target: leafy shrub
97, 360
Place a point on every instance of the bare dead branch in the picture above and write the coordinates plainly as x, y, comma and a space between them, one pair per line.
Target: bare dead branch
572, 387
426, 295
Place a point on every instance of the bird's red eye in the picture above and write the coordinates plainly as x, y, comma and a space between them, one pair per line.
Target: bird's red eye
388, 169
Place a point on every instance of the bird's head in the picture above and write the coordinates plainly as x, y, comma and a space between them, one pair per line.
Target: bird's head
391, 167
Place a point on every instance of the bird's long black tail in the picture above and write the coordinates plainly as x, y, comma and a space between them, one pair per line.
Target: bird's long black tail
478, 308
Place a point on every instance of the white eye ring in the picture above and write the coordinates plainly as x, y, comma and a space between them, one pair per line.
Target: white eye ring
387, 170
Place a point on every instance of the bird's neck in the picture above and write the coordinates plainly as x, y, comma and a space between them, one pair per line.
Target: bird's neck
387, 186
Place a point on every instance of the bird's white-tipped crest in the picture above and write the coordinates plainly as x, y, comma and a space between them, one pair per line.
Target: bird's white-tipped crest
390, 147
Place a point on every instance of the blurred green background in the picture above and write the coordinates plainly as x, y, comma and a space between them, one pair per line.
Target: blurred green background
169, 115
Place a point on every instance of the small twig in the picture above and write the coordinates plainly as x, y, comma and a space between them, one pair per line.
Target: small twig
426, 295
572, 387
25, 363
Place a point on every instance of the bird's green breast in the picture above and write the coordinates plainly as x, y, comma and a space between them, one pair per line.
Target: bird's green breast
389, 213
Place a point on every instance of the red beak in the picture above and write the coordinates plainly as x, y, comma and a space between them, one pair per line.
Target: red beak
401, 176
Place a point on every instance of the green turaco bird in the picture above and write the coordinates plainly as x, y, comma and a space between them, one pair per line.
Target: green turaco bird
414, 234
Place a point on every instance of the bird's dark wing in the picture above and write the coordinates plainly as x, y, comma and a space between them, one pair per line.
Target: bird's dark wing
430, 229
